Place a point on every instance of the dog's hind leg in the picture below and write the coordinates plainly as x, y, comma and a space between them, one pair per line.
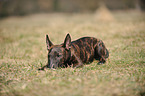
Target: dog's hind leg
102, 59
101, 53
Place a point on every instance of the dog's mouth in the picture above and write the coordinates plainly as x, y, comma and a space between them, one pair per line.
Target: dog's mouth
53, 66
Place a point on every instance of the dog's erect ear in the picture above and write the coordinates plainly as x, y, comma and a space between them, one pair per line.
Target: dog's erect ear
48, 42
67, 42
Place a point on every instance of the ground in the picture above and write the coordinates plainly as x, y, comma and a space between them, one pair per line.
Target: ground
23, 51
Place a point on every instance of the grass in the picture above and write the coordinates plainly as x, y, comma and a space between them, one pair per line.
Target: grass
23, 51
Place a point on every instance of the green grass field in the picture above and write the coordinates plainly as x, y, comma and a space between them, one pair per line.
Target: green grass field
23, 51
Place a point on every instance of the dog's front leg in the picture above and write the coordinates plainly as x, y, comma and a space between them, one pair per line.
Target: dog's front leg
46, 66
80, 63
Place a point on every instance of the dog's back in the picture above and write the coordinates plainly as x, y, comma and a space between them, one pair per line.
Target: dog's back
88, 48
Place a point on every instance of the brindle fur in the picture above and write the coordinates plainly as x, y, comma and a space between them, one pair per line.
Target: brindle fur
76, 53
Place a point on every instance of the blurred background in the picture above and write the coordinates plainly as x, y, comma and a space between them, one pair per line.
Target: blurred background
25, 7
24, 24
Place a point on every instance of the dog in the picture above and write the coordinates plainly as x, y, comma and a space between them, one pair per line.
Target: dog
75, 53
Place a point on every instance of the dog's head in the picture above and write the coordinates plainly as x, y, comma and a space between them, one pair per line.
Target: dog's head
58, 55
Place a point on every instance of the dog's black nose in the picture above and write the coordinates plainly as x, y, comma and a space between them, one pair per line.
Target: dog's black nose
53, 66
40, 69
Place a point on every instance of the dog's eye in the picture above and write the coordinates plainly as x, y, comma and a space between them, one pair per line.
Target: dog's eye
59, 55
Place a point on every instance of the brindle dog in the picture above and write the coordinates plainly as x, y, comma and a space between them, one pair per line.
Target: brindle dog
75, 53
